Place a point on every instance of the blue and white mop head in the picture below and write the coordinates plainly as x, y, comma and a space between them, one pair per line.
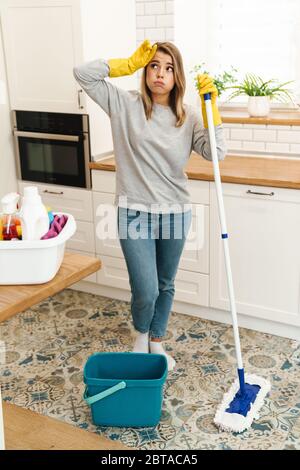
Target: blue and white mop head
246, 406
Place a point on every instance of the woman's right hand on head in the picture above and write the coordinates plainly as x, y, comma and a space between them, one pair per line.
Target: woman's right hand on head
140, 58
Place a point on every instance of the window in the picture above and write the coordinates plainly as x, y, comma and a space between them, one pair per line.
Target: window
256, 36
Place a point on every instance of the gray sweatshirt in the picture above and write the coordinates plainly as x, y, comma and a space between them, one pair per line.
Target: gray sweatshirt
150, 154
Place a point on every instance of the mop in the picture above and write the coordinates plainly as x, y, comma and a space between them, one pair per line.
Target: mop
241, 404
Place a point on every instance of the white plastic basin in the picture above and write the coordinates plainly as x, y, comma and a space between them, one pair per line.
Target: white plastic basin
34, 261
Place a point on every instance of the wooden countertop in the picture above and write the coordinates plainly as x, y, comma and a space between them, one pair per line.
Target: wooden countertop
285, 118
273, 171
27, 430
16, 298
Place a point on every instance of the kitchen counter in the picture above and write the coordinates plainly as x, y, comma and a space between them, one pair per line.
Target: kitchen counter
275, 117
16, 298
273, 171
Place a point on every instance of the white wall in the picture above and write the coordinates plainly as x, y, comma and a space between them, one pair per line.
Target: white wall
119, 27
8, 178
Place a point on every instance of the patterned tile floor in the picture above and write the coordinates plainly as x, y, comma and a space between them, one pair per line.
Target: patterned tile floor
47, 346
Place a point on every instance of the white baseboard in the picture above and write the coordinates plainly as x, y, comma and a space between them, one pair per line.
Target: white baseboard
222, 316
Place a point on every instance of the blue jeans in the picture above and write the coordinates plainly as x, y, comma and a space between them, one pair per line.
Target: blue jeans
152, 245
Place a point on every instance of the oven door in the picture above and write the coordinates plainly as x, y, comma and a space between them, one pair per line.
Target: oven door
53, 158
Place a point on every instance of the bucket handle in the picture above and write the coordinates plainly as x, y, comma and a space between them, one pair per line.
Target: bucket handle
106, 393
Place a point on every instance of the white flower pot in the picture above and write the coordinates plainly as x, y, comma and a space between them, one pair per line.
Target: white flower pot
258, 106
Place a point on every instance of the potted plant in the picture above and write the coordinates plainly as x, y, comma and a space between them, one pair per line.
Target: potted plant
260, 93
221, 80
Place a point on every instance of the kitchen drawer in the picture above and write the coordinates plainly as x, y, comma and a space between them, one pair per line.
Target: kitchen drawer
104, 181
91, 277
192, 288
266, 193
76, 201
199, 191
113, 272
84, 237
194, 257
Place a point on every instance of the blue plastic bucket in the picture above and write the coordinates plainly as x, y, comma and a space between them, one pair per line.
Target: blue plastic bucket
125, 389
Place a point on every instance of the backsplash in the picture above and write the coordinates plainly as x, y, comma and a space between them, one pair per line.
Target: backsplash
154, 21
263, 139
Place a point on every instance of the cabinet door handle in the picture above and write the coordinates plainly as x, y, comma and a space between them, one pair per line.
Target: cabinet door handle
78, 97
53, 192
261, 194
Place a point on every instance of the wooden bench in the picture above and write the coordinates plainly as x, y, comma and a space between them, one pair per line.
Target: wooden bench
27, 430
15, 299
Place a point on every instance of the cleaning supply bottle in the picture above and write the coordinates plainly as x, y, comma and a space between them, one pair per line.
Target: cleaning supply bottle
8, 217
50, 214
33, 215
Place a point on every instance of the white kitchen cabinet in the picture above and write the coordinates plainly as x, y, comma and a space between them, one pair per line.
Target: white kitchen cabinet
192, 278
107, 240
193, 259
264, 249
44, 40
263, 241
192, 288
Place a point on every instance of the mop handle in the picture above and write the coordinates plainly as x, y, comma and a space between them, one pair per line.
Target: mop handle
213, 146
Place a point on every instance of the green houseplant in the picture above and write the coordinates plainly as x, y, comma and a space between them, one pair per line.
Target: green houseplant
260, 93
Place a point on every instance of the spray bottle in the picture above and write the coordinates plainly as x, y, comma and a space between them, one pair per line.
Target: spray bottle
8, 217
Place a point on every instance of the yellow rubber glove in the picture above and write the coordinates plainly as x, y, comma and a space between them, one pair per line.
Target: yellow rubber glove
140, 58
205, 85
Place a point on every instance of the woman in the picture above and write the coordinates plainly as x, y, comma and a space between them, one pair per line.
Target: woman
153, 134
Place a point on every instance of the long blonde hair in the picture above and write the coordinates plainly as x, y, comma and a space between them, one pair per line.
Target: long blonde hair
177, 93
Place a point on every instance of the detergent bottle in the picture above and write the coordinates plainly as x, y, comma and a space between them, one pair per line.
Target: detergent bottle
33, 215
8, 225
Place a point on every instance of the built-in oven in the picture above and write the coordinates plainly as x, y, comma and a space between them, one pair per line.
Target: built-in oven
52, 147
